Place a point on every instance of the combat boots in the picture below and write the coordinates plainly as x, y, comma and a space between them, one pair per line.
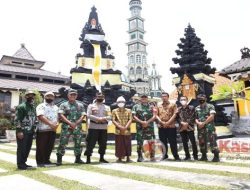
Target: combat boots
203, 157
78, 160
102, 160
88, 161
216, 157
59, 160
140, 158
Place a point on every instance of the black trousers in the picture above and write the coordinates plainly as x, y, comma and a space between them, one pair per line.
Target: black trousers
96, 135
186, 136
44, 146
23, 148
168, 135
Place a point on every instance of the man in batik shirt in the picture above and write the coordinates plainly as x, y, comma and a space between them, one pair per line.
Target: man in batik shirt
186, 120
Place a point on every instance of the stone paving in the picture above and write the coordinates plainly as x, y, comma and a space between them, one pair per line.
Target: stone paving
203, 179
16, 181
104, 182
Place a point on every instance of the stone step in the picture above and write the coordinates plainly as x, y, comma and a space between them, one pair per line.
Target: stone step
203, 179
103, 181
16, 181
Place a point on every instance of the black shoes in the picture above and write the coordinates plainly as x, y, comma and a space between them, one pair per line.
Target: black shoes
78, 160
88, 160
203, 157
187, 158
216, 157
59, 160
165, 157
140, 157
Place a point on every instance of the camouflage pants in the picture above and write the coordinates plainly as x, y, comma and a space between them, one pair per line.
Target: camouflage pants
205, 135
144, 134
64, 139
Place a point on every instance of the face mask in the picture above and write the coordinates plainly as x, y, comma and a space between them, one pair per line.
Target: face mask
121, 105
201, 101
183, 102
99, 100
30, 100
48, 101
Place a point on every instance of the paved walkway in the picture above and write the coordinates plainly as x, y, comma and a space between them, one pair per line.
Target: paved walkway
16, 181
203, 179
104, 182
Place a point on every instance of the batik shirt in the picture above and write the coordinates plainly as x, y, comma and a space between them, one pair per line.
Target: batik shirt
25, 118
72, 111
187, 115
166, 111
50, 111
122, 116
203, 113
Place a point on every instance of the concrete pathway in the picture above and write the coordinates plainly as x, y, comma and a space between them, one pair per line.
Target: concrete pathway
203, 179
104, 182
16, 181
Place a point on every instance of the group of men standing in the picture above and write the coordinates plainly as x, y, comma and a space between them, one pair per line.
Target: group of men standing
45, 118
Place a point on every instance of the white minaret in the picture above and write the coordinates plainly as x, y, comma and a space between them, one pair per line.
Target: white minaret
155, 82
137, 55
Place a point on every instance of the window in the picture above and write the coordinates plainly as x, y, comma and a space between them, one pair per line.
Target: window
133, 36
140, 24
5, 101
131, 59
138, 59
144, 61
141, 36
132, 24
131, 71
21, 77
138, 70
5, 75
29, 64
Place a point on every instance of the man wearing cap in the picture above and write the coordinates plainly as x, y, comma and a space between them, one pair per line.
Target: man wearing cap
25, 122
122, 119
205, 114
98, 115
71, 114
47, 114
144, 117
167, 131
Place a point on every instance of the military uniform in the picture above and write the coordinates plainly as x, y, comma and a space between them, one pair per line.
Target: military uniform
73, 112
206, 133
144, 113
25, 122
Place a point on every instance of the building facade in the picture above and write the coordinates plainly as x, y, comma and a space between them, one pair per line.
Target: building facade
21, 72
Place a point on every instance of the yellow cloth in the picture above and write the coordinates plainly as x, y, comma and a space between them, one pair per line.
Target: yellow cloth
96, 71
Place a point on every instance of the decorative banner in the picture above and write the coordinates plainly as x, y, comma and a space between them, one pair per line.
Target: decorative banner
97, 71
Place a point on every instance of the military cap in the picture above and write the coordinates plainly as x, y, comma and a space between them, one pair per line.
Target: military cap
49, 93
201, 96
72, 91
144, 96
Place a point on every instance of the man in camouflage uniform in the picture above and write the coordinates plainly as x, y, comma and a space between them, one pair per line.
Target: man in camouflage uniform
144, 117
25, 121
206, 130
71, 114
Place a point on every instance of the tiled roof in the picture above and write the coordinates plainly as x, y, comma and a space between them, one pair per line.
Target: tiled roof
31, 71
238, 66
23, 53
23, 85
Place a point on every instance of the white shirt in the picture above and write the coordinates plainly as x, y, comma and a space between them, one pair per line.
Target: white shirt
50, 111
